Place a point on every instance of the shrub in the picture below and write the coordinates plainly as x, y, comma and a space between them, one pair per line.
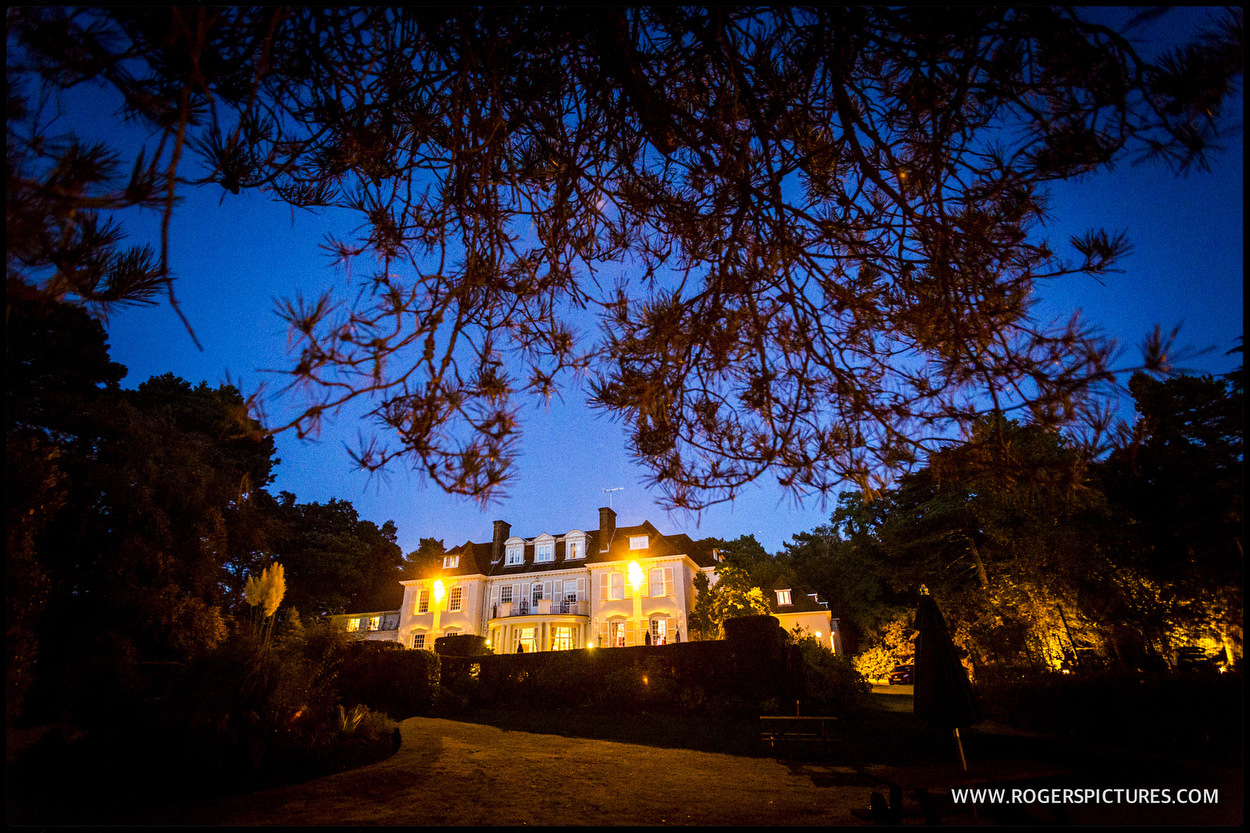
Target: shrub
875, 663
461, 645
350, 738
402, 683
834, 684
1199, 716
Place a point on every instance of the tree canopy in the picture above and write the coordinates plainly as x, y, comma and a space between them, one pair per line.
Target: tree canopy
733, 595
135, 518
1048, 558
798, 241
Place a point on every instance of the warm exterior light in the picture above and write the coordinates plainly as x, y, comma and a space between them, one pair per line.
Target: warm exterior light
439, 592
636, 577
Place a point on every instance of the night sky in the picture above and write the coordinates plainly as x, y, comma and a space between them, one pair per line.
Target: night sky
234, 256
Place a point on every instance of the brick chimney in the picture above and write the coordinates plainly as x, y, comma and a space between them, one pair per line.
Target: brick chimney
503, 529
607, 528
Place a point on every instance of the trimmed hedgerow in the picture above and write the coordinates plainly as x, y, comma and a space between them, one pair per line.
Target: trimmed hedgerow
402, 683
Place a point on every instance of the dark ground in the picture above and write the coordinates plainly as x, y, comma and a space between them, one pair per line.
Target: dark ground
552, 769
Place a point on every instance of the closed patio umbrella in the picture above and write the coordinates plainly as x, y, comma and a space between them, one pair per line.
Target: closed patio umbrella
943, 695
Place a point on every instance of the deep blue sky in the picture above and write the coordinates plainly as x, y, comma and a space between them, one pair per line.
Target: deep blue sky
234, 257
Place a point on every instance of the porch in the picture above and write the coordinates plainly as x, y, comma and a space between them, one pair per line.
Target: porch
544, 625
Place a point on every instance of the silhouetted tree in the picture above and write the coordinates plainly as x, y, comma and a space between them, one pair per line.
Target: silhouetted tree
335, 561
1181, 482
120, 502
56, 369
841, 560
810, 235
427, 557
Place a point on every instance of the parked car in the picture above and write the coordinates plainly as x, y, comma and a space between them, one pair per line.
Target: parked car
902, 675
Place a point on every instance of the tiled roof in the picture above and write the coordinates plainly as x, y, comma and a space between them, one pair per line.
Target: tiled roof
802, 599
475, 558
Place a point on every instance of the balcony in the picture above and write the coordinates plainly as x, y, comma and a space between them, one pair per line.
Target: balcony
542, 607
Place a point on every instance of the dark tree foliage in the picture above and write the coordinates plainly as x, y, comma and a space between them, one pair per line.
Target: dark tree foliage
842, 561
334, 560
1042, 556
56, 364
120, 502
1182, 482
426, 559
55, 359
792, 241
746, 553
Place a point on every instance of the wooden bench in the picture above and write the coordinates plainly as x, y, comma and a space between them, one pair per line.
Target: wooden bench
787, 731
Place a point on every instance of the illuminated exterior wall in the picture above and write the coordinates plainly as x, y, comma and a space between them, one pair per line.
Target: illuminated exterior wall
815, 623
797, 607
558, 592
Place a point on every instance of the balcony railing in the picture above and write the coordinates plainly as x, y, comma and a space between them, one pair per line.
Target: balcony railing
542, 607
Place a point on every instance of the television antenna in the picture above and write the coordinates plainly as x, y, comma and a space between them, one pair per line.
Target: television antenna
609, 492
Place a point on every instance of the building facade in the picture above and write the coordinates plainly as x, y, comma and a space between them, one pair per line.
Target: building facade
604, 587
801, 611
600, 587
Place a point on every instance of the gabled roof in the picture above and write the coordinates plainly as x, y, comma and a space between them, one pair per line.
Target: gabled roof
802, 598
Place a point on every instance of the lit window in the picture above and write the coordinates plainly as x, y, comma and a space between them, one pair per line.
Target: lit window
451, 561
353, 625
562, 638
373, 623
453, 601
418, 641
616, 634
659, 631
515, 553
638, 542
527, 640
660, 587
783, 597
575, 548
423, 601
545, 550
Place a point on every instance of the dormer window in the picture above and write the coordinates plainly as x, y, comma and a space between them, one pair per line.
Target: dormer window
783, 597
638, 542
544, 549
575, 545
515, 553
451, 561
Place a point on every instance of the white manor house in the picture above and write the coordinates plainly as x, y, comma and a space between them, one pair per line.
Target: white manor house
605, 587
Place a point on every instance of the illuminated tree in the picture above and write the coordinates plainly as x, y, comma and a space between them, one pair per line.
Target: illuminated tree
792, 241
732, 595
1012, 533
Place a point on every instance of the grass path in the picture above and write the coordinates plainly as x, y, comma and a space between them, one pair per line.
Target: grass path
453, 773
